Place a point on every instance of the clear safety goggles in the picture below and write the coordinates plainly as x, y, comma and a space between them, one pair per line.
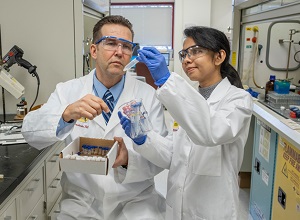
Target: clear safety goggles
193, 52
112, 43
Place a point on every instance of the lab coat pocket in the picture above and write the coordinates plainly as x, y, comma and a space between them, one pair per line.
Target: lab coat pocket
206, 160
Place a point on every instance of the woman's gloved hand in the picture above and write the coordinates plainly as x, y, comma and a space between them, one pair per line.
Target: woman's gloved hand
156, 64
126, 125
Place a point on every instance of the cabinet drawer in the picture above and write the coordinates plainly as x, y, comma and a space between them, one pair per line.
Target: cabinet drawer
55, 210
52, 165
53, 192
31, 194
38, 211
10, 213
52, 168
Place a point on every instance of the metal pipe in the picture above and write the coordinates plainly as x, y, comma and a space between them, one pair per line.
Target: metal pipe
3, 95
292, 31
281, 41
3, 105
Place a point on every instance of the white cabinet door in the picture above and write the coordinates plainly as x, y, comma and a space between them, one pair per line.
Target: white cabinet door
53, 176
53, 192
38, 211
55, 210
10, 213
31, 194
52, 163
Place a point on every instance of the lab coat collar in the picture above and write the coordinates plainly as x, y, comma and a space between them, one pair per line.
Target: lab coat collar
126, 95
220, 91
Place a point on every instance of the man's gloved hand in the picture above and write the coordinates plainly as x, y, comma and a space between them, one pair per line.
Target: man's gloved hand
126, 125
156, 64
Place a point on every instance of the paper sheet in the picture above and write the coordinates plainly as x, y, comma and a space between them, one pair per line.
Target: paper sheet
14, 138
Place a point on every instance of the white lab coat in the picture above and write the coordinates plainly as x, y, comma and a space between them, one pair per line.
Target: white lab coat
125, 194
205, 154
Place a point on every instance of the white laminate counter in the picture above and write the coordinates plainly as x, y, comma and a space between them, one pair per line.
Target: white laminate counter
273, 120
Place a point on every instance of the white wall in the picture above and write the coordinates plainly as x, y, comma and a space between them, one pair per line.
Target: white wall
214, 13
45, 32
143, 20
221, 14
188, 13
51, 36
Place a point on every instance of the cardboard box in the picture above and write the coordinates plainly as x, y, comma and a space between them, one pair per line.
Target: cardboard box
88, 166
245, 179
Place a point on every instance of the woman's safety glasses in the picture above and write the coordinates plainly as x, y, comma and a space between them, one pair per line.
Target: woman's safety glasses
193, 52
112, 43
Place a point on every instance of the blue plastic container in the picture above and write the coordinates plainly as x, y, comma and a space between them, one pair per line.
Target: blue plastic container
282, 86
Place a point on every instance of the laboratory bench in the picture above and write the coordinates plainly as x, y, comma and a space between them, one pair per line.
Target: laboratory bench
274, 118
31, 187
16, 162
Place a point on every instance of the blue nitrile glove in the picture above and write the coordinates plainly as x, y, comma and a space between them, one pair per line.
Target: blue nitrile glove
252, 93
156, 64
126, 125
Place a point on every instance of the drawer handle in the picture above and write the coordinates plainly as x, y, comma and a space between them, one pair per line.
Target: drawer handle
54, 160
7, 218
34, 217
55, 186
32, 189
57, 211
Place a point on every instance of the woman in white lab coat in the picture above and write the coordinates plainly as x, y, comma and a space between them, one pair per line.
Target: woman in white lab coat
205, 152
124, 193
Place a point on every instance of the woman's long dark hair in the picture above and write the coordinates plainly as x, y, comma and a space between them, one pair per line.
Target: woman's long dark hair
215, 40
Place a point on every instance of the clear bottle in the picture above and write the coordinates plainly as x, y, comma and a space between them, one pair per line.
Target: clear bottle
270, 85
23, 101
20, 110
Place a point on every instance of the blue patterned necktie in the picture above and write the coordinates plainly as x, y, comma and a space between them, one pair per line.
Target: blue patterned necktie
109, 100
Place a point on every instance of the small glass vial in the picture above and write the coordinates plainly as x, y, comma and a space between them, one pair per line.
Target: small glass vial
20, 110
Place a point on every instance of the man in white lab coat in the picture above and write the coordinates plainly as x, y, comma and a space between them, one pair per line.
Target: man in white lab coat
77, 108
206, 150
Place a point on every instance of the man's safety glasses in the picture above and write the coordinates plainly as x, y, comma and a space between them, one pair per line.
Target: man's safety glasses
112, 43
193, 52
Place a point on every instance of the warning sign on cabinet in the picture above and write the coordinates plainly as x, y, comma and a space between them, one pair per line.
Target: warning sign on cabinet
286, 193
